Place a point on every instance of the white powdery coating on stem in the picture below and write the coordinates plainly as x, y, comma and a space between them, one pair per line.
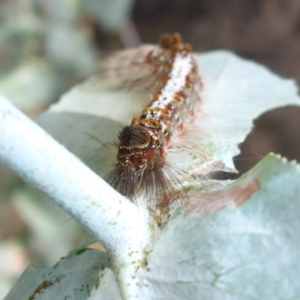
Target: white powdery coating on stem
34, 155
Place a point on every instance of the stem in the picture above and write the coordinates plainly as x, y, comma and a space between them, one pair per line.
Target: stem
115, 221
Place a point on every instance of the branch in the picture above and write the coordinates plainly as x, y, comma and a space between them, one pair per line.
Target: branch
47, 165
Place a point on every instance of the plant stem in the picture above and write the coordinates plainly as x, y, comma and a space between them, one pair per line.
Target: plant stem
113, 220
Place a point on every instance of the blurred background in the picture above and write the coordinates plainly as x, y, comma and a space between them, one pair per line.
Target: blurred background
47, 46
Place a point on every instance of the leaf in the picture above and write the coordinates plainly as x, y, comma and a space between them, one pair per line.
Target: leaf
84, 274
88, 118
247, 251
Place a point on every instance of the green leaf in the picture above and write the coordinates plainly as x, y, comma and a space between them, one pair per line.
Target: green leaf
240, 243
88, 118
84, 274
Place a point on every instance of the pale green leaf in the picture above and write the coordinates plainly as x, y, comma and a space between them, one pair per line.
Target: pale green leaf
244, 250
84, 274
88, 118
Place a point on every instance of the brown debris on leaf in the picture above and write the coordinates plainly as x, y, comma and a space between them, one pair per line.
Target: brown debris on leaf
233, 196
